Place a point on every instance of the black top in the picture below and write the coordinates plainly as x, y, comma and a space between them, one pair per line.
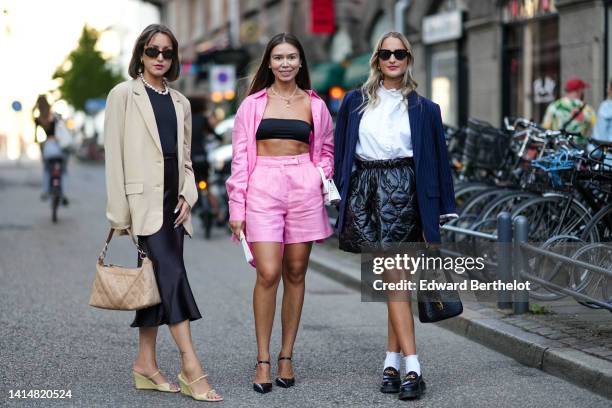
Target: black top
165, 117
293, 129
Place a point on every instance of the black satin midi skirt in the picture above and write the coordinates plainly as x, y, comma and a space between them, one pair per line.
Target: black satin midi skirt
382, 211
165, 250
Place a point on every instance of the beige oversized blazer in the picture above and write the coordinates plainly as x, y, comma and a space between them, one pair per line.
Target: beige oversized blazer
135, 162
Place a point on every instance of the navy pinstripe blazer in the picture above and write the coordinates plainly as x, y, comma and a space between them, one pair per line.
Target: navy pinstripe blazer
435, 193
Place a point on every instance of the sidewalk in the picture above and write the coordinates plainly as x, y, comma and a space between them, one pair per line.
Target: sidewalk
570, 341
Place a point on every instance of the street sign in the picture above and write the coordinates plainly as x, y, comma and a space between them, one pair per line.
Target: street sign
94, 105
222, 78
442, 27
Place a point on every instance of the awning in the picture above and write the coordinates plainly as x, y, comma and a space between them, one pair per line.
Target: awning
357, 71
325, 75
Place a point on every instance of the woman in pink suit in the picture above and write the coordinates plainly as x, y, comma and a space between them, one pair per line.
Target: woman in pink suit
282, 133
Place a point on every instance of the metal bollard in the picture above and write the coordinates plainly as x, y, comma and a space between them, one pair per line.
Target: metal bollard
521, 233
504, 258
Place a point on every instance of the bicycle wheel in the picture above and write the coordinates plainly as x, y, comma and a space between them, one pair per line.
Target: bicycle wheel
55, 201
546, 216
507, 202
552, 270
487, 249
478, 201
598, 254
464, 191
599, 229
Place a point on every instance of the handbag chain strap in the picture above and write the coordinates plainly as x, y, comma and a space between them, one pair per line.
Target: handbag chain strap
142, 254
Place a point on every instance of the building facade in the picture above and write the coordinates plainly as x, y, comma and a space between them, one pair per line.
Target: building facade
476, 58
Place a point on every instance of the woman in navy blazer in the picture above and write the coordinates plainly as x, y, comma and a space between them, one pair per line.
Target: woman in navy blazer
395, 183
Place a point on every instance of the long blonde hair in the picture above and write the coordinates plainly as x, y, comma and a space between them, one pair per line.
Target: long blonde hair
370, 87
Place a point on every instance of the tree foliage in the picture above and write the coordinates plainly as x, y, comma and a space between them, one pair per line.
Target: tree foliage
85, 73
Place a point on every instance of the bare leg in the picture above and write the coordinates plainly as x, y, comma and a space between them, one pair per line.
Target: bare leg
402, 322
392, 340
191, 367
400, 319
264, 301
295, 263
146, 362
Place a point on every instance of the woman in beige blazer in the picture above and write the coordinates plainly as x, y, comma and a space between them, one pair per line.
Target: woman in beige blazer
151, 190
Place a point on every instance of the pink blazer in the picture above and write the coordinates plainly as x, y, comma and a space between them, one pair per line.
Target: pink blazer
244, 146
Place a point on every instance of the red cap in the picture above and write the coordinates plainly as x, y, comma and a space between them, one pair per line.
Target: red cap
575, 84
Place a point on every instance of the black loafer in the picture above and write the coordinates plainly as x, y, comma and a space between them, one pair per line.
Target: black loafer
391, 381
285, 382
262, 388
412, 386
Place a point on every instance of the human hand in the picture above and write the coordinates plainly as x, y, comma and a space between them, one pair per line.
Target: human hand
236, 227
183, 209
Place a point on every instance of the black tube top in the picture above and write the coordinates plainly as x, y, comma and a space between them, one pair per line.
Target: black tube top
291, 129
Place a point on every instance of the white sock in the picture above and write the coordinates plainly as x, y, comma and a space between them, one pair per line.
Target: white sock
393, 359
412, 364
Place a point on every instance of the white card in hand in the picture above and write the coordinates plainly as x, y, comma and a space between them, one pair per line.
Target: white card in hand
245, 248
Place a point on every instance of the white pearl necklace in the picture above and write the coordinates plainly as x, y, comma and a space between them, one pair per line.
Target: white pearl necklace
148, 85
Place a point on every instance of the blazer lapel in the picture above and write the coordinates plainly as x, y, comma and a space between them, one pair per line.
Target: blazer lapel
180, 118
146, 110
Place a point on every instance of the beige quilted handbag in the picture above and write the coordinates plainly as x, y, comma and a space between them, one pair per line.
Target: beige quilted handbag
120, 288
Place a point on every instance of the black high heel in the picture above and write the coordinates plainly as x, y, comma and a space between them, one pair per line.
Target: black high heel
262, 388
285, 382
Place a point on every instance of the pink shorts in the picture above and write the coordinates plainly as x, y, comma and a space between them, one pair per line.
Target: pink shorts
284, 201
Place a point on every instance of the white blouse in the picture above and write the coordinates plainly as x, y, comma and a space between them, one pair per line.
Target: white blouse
384, 131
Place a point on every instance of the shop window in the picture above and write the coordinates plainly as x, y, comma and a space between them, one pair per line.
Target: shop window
443, 63
531, 71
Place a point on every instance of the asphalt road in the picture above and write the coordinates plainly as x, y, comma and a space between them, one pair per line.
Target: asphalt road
50, 339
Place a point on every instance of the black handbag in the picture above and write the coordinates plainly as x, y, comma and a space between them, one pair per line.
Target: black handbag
437, 305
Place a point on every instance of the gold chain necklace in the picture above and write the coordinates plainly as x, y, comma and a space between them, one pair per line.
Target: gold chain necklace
286, 99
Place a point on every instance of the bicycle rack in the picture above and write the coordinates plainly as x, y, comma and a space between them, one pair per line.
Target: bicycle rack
521, 229
516, 232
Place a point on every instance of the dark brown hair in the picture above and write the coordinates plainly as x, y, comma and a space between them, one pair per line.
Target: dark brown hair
136, 65
264, 76
43, 106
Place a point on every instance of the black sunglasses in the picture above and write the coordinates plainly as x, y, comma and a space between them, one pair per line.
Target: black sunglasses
153, 52
386, 54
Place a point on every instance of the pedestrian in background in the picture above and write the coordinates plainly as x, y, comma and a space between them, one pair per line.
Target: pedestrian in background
151, 190
395, 184
47, 120
603, 126
282, 133
202, 133
571, 113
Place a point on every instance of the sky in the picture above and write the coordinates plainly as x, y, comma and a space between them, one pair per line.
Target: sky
35, 38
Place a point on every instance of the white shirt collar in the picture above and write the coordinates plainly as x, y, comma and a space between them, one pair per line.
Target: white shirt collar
394, 93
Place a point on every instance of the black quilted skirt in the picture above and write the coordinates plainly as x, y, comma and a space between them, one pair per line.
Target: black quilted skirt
381, 209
